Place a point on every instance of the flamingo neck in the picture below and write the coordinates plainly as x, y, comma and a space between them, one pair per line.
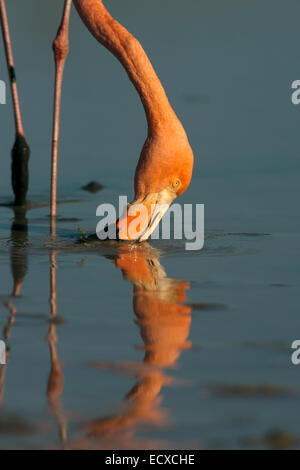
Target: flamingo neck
124, 46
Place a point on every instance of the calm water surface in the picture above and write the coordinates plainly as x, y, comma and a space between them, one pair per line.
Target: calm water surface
151, 346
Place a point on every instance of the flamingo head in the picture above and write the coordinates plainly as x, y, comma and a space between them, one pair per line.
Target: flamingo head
163, 173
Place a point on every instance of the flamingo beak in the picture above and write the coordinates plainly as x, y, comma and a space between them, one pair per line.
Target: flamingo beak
157, 213
143, 216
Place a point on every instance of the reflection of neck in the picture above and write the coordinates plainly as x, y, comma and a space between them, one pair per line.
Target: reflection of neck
164, 323
132, 56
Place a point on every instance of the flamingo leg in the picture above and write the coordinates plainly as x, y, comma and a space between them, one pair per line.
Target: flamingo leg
60, 49
20, 150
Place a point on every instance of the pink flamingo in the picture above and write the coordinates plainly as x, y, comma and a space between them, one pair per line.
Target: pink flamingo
164, 169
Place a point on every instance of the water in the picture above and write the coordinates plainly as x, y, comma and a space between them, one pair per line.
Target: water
152, 346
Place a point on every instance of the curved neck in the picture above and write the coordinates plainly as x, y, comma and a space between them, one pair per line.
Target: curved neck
132, 56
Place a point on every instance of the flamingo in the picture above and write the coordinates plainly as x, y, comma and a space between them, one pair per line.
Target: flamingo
164, 169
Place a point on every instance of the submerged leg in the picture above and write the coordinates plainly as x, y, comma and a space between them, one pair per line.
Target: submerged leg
60, 49
20, 150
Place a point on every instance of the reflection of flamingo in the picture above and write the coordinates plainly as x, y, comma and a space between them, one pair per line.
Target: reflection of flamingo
164, 322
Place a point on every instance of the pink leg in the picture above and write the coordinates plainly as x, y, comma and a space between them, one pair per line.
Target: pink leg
10, 64
20, 151
61, 49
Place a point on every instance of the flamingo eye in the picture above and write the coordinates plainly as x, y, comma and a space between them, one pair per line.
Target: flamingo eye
176, 183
